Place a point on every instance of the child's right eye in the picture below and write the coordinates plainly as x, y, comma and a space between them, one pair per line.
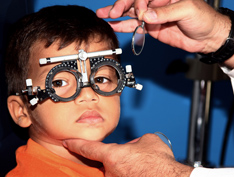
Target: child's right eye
59, 83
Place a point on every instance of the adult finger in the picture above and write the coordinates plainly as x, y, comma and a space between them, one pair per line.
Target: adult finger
134, 141
104, 12
141, 6
154, 142
90, 149
117, 10
126, 26
173, 12
120, 7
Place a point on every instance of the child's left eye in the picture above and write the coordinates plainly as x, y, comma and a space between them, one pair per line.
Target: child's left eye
101, 80
59, 83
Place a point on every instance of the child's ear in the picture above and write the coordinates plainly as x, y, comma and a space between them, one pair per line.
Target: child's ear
18, 111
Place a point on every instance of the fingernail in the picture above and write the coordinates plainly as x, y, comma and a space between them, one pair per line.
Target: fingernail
137, 12
64, 144
150, 15
110, 11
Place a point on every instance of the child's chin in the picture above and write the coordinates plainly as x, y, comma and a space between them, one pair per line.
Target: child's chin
96, 139
92, 138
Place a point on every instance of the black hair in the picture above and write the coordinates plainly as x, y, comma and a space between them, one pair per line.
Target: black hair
63, 24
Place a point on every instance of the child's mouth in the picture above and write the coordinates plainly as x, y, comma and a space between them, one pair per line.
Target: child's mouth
90, 117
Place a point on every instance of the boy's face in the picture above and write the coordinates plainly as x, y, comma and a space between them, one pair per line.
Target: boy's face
89, 116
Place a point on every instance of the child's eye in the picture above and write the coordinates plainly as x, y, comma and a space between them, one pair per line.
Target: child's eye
101, 80
59, 83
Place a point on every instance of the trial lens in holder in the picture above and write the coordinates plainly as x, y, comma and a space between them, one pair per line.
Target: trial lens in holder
138, 39
164, 139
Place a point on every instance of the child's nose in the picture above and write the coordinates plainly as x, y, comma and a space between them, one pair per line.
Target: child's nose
87, 94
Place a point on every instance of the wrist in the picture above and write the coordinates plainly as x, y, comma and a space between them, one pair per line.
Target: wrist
226, 50
181, 170
173, 169
229, 63
221, 32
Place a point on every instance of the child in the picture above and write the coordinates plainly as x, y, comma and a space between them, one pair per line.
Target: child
58, 104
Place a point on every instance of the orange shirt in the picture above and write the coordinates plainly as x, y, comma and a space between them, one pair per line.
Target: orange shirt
33, 160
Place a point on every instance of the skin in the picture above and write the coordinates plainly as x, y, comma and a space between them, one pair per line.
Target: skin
51, 123
145, 156
191, 25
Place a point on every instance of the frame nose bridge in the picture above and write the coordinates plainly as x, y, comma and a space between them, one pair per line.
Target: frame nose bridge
87, 94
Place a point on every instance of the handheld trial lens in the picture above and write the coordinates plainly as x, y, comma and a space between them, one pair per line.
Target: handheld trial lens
138, 39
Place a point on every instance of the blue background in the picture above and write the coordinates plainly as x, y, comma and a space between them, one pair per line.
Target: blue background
163, 104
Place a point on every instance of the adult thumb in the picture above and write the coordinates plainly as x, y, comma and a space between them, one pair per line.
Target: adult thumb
169, 13
90, 149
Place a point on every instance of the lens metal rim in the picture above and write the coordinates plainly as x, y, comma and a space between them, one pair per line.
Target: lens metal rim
48, 83
133, 39
109, 62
